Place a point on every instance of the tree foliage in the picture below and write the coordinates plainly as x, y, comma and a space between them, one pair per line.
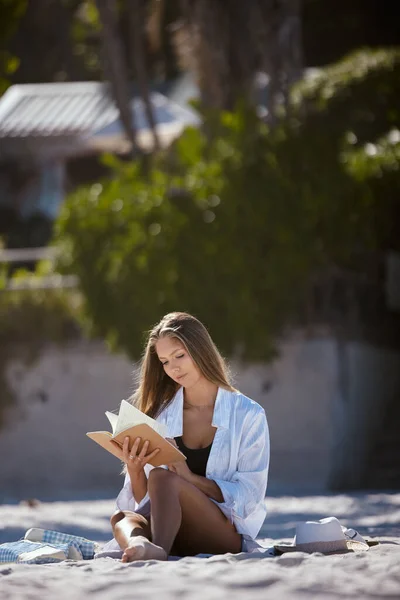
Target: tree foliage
11, 12
30, 319
235, 227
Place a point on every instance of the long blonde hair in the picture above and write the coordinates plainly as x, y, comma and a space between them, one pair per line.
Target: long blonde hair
156, 390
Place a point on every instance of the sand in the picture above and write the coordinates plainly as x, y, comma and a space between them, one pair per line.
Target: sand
372, 574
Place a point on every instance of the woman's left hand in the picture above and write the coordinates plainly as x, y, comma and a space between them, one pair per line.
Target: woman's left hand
181, 468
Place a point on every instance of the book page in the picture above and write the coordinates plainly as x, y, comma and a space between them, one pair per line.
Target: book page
113, 418
129, 415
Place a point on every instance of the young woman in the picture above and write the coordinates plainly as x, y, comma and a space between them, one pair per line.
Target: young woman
214, 502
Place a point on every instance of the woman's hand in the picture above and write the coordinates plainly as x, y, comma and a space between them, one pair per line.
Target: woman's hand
181, 468
134, 460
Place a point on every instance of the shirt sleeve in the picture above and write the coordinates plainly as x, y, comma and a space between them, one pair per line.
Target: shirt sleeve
246, 489
126, 501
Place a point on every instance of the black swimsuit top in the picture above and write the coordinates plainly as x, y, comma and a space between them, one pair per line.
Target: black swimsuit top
196, 458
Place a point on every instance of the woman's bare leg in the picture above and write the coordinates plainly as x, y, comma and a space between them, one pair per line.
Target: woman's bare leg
183, 516
132, 532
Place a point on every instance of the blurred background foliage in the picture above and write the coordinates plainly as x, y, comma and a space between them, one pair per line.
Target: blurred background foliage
11, 11
252, 228
31, 319
72, 30
259, 222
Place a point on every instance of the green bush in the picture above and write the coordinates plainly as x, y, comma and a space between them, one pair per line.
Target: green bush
234, 225
30, 320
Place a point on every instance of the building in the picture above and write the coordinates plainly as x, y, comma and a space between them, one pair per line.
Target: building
45, 127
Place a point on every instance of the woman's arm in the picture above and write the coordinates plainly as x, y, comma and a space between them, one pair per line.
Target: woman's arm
135, 463
209, 487
138, 485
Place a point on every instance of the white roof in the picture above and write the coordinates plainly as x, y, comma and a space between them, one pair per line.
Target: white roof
85, 110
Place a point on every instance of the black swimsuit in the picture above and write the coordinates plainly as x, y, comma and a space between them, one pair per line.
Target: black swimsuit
196, 458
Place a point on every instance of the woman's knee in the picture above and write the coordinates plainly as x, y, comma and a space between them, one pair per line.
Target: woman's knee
116, 517
132, 519
161, 478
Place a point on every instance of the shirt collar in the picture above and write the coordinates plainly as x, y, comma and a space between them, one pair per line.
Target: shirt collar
222, 408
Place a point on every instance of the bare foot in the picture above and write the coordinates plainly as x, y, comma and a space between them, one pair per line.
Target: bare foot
140, 548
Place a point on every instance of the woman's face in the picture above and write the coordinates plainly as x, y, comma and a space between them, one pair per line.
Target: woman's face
176, 362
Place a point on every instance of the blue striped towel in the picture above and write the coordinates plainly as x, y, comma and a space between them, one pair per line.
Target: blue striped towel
86, 547
28, 552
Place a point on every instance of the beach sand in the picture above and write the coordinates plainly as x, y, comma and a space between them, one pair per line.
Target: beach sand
372, 574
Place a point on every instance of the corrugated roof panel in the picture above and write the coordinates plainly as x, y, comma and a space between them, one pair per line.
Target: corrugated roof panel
50, 113
80, 112
55, 109
19, 117
84, 111
61, 114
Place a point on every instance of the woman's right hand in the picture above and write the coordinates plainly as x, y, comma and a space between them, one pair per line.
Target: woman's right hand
134, 460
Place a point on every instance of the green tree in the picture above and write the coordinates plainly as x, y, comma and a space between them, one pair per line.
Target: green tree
224, 43
11, 11
238, 228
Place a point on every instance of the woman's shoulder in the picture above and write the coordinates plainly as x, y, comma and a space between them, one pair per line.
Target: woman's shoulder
243, 403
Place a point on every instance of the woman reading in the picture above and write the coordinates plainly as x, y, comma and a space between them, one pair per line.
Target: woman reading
214, 502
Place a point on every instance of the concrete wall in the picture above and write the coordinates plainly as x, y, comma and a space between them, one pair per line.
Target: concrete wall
324, 403
368, 381
297, 392
60, 398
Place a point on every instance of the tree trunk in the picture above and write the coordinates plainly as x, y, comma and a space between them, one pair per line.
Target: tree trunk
115, 66
226, 42
277, 33
137, 21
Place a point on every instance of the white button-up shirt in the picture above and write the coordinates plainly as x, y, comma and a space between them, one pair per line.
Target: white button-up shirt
238, 461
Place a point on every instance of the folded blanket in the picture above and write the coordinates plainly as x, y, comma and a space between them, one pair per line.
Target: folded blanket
28, 552
46, 546
86, 547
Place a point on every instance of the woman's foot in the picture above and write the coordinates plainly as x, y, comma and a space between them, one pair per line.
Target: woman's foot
140, 548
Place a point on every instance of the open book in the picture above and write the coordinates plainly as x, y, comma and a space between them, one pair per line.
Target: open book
132, 423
